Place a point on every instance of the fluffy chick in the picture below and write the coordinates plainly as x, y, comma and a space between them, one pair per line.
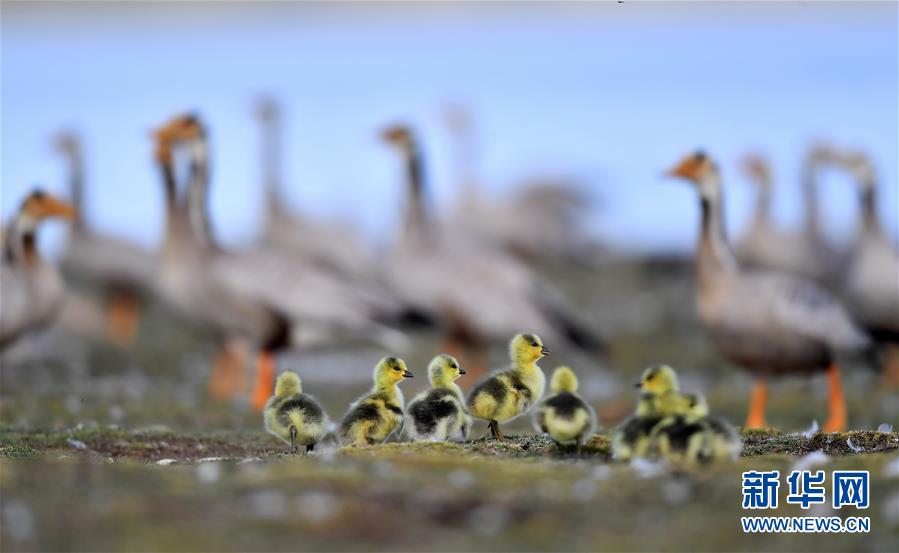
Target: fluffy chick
659, 397
690, 435
509, 393
294, 417
439, 414
565, 416
373, 417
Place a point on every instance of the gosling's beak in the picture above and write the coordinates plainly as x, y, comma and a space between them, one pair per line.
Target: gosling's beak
545, 350
53, 207
638, 385
407, 374
461, 370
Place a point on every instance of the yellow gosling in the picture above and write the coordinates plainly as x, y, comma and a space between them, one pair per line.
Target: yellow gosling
294, 417
691, 436
509, 393
373, 417
438, 414
564, 415
632, 437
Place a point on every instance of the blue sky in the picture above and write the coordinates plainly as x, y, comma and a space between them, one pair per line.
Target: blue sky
610, 93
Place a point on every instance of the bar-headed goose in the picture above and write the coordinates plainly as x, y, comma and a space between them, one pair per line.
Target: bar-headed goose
121, 270
769, 323
31, 288
871, 281
235, 321
333, 245
540, 219
482, 294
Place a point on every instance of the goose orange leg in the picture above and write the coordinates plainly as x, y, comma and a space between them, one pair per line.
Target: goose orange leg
836, 420
891, 368
756, 416
122, 318
228, 376
265, 380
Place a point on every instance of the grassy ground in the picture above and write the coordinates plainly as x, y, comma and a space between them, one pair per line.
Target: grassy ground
103, 449
159, 490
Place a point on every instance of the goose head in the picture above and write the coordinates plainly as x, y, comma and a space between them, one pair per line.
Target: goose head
525, 349
700, 170
658, 379
390, 371
444, 369
758, 170
39, 206
399, 136
563, 380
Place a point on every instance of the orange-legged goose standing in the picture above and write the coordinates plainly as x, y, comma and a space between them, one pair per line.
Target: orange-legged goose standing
235, 321
769, 323
122, 270
31, 289
482, 294
872, 273
322, 309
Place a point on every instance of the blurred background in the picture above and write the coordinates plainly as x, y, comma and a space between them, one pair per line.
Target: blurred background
541, 131
601, 97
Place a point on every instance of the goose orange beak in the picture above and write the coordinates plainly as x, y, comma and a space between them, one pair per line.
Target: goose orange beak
48, 206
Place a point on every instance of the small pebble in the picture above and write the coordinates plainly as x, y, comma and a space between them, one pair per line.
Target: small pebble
77, 444
270, 504
18, 520
584, 490
208, 472
460, 479
316, 507
166, 462
487, 520
813, 459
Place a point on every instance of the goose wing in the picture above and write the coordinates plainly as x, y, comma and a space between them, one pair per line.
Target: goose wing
873, 284
107, 259
803, 307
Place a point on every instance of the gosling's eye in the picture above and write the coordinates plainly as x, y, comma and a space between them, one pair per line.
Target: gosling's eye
454, 366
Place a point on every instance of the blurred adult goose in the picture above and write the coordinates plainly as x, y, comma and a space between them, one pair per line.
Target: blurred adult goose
330, 244
120, 269
762, 245
871, 285
481, 293
314, 306
540, 219
31, 289
236, 321
332, 309
769, 323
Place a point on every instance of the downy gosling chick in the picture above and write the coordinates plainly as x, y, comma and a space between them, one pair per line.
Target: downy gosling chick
508, 393
375, 416
690, 435
659, 397
439, 414
565, 416
294, 417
